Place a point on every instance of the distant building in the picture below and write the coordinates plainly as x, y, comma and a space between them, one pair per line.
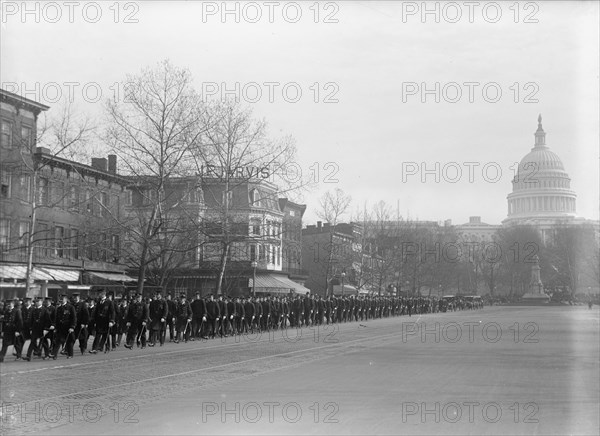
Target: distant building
542, 196
476, 231
332, 256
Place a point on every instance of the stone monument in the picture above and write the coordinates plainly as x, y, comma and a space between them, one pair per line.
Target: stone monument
535, 293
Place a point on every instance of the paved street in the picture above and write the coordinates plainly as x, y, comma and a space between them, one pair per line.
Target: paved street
500, 370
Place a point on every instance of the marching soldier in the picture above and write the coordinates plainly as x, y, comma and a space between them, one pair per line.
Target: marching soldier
121, 321
137, 318
83, 318
112, 337
37, 320
258, 311
240, 316
250, 312
25, 311
223, 317
213, 315
12, 327
64, 326
198, 316
172, 306
158, 312
183, 319
104, 318
48, 340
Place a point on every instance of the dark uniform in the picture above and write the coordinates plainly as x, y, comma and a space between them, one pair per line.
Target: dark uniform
65, 322
83, 319
37, 321
12, 327
137, 318
183, 319
198, 314
158, 312
48, 340
104, 318
172, 306
212, 316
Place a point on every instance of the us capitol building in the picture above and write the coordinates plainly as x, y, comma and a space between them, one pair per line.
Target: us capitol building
541, 196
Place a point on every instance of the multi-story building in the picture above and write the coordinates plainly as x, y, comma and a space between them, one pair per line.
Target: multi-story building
333, 256
240, 239
58, 220
291, 255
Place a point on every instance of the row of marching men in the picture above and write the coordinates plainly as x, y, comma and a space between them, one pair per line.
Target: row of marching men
55, 329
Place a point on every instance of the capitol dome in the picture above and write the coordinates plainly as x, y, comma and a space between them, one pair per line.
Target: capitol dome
541, 187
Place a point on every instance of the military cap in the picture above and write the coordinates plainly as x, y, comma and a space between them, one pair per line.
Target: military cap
27, 299
110, 293
75, 294
48, 298
182, 296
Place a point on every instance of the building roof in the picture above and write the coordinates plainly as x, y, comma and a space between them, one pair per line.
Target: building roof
19, 100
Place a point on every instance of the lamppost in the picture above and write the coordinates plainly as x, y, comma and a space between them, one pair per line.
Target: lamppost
254, 264
342, 275
407, 283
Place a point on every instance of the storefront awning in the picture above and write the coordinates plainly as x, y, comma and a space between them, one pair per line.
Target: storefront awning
56, 275
19, 272
276, 284
113, 277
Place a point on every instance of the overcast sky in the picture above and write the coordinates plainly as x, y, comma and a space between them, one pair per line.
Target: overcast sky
370, 66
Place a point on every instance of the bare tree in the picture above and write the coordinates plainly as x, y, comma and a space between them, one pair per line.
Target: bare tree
333, 206
153, 131
65, 136
236, 152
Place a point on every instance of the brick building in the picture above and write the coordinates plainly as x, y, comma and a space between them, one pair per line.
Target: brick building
59, 213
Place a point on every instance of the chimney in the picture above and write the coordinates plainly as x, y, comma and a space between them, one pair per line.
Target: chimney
99, 163
112, 163
319, 224
42, 150
475, 220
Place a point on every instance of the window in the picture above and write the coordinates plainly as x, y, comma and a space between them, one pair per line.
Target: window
115, 246
255, 227
43, 191
24, 188
74, 197
253, 196
88, 201
252, 253
26, 135
104, 253
59, 241
6, 133
23, 235
4, 234
74, 243
41, 239
129, 198
292, 213
278, 255
6, 183
104, 204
